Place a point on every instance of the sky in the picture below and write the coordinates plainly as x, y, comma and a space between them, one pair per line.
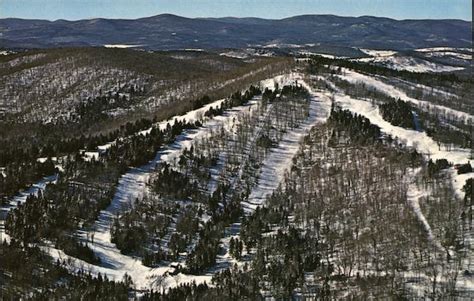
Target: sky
274, 9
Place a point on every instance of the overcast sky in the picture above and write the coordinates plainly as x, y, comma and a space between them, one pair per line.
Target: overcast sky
130, 9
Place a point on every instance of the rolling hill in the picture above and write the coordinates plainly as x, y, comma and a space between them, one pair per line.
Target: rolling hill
168, 31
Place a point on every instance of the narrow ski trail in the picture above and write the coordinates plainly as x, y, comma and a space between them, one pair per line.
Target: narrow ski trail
20, 198
390, 90
414, 194
274, 166
279, 159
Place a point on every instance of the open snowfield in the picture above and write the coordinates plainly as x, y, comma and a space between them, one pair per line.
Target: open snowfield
411, 64
325, 55
378, 53
438, 49
394, 60
121, 46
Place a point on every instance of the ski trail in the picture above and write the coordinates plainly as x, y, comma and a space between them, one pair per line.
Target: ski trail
413, 197
279, 159
216, 172
427, 88
133, 185
274, 167
355, 77
431, 149
20, 198
411, 138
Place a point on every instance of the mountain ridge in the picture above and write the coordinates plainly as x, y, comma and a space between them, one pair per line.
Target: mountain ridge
168, 31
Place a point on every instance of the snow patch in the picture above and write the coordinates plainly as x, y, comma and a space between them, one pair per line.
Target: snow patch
378, 53
121, 46
408, 63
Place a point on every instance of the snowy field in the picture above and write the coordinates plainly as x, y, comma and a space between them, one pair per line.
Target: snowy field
397, 61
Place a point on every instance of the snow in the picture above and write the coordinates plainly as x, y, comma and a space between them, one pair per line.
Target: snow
408, 63
329, 56
429, 89
121, 46
42, 160
282, 45
142, 276
458, 55
355, 77
393, 60
21, 198
378, 53
235, 54
430, 148
412, 138
105, 147
438, 49
413, 197
133, 185
250, 143
88, 156
247, 53
279, 159
276, 163
414, 194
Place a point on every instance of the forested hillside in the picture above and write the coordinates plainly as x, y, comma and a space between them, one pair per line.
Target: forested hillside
62, 101
187, 175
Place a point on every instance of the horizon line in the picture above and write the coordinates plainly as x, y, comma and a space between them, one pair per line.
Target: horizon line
226, 17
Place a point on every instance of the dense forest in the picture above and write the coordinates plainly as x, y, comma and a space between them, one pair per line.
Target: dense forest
399, 113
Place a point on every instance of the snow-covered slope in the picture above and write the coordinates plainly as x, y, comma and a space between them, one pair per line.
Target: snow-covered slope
279, 160
21, 198
133, 185
378, 53
431, 149
390, 90
397, 61
412, 138
411, 64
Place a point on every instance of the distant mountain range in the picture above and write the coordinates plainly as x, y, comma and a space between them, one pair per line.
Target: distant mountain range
167, 31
